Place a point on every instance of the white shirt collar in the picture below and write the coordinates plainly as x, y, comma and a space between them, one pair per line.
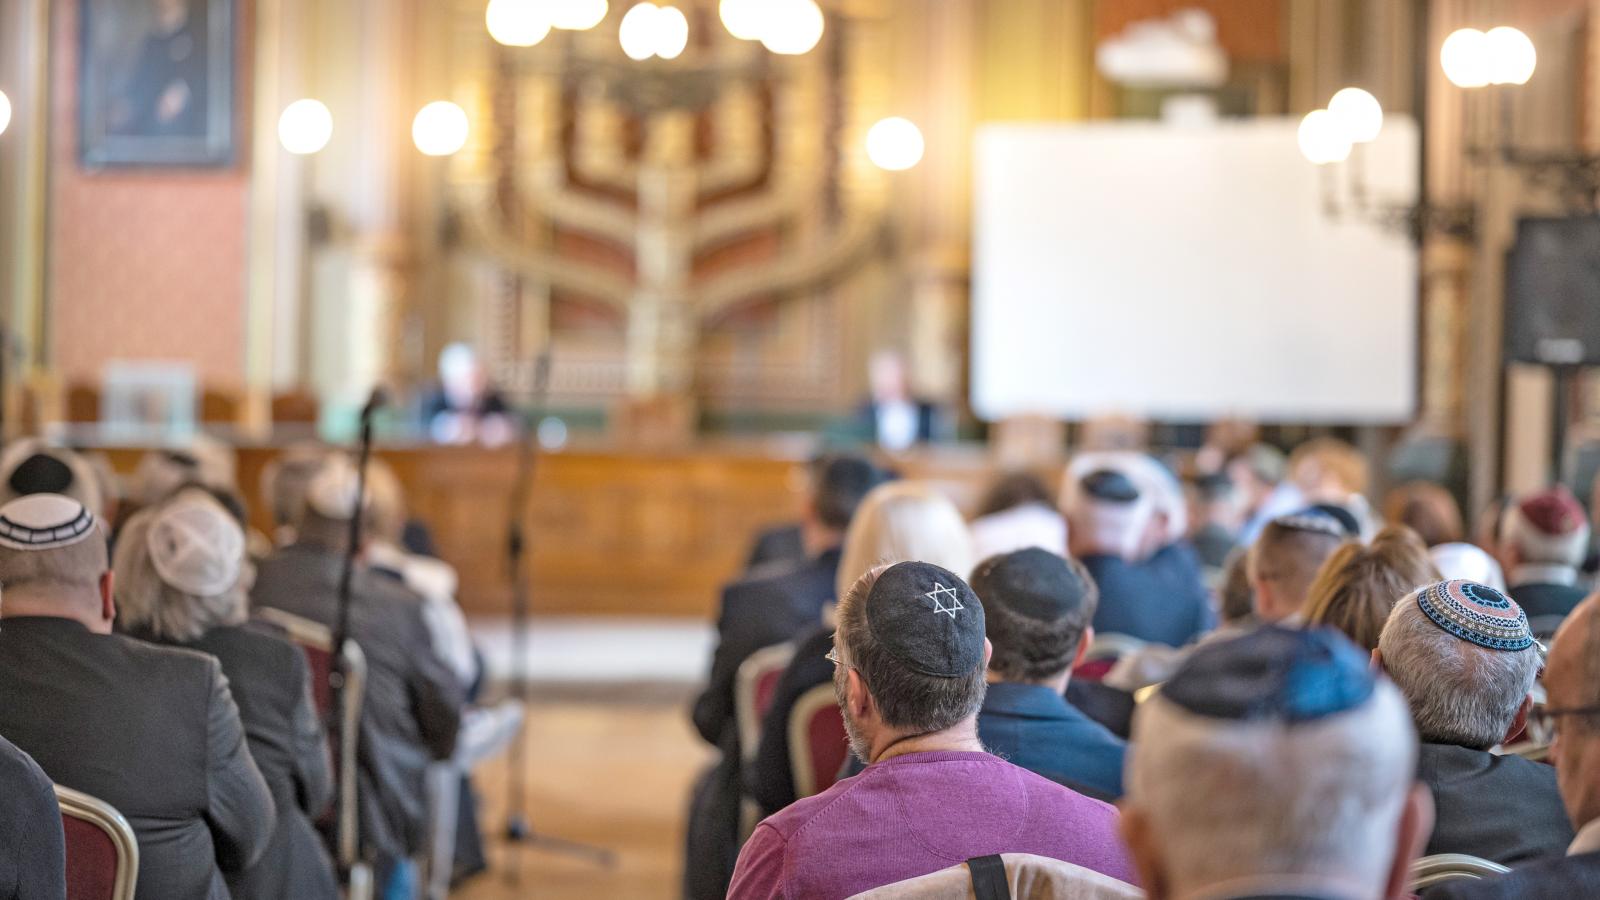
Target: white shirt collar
1587, 841
1543, 573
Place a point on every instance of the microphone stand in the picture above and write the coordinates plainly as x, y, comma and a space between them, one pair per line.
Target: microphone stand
519, 828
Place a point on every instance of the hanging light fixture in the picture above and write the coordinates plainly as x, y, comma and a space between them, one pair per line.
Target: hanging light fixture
672, 32
1511, 56
744, 19
637, 33
1321, 138
517, 23
1465, 57
1358, 113
895, 144
792, 27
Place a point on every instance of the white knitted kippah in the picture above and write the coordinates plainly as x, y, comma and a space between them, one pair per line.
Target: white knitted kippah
195, 546
44, 522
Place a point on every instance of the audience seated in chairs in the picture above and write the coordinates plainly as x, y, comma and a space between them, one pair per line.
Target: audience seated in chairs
910, 660
1037, 607
413, 701
1274, 765
1462, 654
1159, 599
1573, 683
182, 579
33, 865
777, 603
1544, 539
1359, 584
151, 730
897, 522
1284, 561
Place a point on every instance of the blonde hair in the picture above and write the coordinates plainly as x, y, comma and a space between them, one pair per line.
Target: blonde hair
1358, 585
1320, 460
900, 522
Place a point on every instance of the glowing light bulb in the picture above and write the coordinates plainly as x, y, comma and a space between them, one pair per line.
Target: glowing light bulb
1321, 138
744, 19
895, 144
517, 23
637, 33
576, 15
793, 27
672, 32
305, 126
1358, 114
440, 128
1465, 57
1512, 58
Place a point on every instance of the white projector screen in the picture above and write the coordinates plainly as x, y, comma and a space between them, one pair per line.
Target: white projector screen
1186, 274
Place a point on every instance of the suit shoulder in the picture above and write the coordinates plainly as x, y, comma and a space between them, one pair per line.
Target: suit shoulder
179, 659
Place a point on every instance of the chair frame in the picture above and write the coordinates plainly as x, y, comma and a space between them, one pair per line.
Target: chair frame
801, 764
774, 656
104, 816
1442, 867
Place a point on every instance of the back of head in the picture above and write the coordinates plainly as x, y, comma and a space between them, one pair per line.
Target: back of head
1360, 583
1107, 513
1160, 492
1328, 469
32, 466
1547, 527
1237, 597
52, 552
1286, 557
1036, 607
181, 569
1463, 655
901, 521
1288, 738
915, 632
284, 480
1011, 490
330, 503
1427, 509
841, 483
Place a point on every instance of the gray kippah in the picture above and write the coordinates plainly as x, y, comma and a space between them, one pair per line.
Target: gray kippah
927, 618
44, 522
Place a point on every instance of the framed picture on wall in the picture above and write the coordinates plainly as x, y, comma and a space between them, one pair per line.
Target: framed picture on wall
156, 82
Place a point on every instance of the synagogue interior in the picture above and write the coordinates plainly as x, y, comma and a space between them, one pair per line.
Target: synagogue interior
799, 449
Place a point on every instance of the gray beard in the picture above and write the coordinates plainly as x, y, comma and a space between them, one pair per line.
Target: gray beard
860, 747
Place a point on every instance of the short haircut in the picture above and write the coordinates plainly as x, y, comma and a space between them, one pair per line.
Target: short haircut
1026, 648
1427, 509
906, 698
842, 482
77, 565
1322, 798
1460, 693
1012, 490
1237, 596
1290, 556
1359, 584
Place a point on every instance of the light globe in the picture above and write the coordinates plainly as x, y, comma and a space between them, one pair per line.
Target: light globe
1465, 58
1358, 113
305, 127
1321, 138
5, 112
744, 19
895, 144
793, 27
1511, 56
672, 32
639, 30
440, 128
576, 15
517, 23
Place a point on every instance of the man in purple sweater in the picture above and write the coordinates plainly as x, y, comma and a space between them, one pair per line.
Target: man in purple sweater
910, 656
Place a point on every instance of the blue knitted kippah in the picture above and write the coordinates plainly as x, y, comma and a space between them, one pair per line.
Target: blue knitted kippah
1476, 613
1273, 674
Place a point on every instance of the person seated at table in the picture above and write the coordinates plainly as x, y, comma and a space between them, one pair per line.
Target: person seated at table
153, 731
1358, 586
1274, 765
34, 864
182, 577
910, 662
1037, 608
1464, 657
893, 418
1284, 561
463, 408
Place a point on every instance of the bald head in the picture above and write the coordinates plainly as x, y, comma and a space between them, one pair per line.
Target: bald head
1572, 679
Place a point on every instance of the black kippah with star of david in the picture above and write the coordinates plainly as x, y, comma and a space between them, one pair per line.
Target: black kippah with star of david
928, 619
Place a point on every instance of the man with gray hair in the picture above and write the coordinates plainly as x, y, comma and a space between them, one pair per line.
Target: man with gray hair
151, 730
1464, 657
1544, 539
1274, 765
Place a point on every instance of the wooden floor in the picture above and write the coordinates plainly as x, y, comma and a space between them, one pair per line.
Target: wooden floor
612, 770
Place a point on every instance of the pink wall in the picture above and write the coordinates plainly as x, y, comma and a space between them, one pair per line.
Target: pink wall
145, 264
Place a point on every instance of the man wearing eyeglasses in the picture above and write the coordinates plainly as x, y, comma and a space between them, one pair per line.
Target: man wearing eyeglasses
1572, 680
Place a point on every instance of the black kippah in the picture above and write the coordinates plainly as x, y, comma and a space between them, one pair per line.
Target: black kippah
1273, 674
41, 473
1111, 486
1034, 583
927, 618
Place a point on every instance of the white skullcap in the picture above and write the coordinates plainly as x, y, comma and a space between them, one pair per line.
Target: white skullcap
331, 493
1018, 528
44, 522
195, 546
1467, 562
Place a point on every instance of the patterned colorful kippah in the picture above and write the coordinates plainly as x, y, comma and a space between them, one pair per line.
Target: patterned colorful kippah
1476, 613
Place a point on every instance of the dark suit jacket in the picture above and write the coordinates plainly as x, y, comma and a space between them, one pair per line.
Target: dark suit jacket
1547, 601
1034, 727
759, 612
1107, 705
154, 732
271, 682
1162, 599
1501, 808
1569, 877
768, 777
412, 707
33, 861
779, 544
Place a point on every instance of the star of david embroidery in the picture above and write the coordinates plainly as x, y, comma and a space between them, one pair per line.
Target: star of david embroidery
939, 595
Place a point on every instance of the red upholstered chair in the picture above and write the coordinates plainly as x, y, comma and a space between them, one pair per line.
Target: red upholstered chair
102, 853
1103, 655
315, 640
753, 688
817, 745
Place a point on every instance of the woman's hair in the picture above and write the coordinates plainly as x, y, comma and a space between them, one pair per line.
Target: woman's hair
900, 522
1359, 584
213, 569
1012, 490
1427, 509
